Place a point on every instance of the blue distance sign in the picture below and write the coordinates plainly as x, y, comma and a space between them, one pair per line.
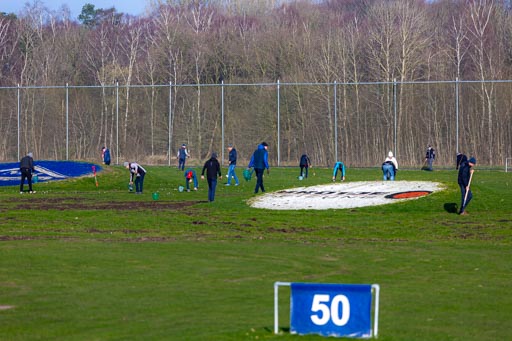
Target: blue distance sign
341, 310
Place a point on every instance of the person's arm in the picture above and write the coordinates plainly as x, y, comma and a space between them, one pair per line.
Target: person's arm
251, 162
265, 160
202, 172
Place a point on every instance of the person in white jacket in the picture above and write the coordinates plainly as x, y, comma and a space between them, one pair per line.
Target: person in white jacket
390, 167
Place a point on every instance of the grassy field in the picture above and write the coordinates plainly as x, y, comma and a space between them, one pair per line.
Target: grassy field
84, 263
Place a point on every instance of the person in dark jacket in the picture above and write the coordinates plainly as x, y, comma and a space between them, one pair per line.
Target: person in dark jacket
461, 158
465, 173
26, 169
259, 161
232, 165
304, 164
212, 168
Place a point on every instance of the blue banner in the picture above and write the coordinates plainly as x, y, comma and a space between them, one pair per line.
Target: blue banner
10, 173
341, 310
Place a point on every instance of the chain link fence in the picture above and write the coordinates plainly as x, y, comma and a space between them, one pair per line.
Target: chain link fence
357, 123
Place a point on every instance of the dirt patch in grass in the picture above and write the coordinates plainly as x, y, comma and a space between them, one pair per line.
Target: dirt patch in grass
61, 204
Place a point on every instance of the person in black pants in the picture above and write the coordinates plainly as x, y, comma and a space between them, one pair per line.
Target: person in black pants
259, 161
212, 168
27, 168
464, 179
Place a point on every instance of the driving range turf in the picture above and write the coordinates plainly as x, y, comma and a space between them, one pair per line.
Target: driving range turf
84, 263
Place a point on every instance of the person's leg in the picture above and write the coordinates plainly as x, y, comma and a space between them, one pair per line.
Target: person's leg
306, 171
214, 186
259, 179
301, 170
261, 183
430, 161
23, 177
210, 190
468, 199
385, 172
234, 176
187, 182
392, 173
230, 174
195, 182
463, 196
29, 180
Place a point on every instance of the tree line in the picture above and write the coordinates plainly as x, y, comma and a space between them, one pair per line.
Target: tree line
195, 46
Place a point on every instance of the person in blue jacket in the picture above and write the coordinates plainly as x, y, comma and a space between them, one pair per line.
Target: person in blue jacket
338, 167
259, 161
105, 155
304, 164
190, 176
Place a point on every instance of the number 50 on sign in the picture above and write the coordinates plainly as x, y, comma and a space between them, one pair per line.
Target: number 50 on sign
332, 309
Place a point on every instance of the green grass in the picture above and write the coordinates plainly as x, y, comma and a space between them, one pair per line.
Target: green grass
126, 267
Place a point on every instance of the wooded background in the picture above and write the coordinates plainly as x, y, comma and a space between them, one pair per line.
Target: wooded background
406, 74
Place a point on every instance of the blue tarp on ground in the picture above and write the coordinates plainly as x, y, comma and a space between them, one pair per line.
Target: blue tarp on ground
10, 174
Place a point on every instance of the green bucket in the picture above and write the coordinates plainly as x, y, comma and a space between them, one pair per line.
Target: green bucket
35, 179
156, 196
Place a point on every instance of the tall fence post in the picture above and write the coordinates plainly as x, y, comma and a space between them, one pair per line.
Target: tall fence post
170, 125
19, 118
278, 124
67, 121
457, 114
222, 120
117, 122
335, 123
395, 119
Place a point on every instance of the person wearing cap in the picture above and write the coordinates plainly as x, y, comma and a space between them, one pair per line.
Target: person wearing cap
390, 167
26, 169
212, 168
338, 167
259, 161
464, 180
232, 165
190, 176
182, 156
137, 174
430, 156
105, 155
304, 165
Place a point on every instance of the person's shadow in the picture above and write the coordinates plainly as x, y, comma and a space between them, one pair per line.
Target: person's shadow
450, 207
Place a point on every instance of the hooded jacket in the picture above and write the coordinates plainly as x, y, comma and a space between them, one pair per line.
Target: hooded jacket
259, 159
212, 168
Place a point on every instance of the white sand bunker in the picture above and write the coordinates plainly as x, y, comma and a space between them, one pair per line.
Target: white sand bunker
345, 195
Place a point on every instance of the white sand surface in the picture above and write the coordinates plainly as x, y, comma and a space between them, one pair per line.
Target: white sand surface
340, 195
